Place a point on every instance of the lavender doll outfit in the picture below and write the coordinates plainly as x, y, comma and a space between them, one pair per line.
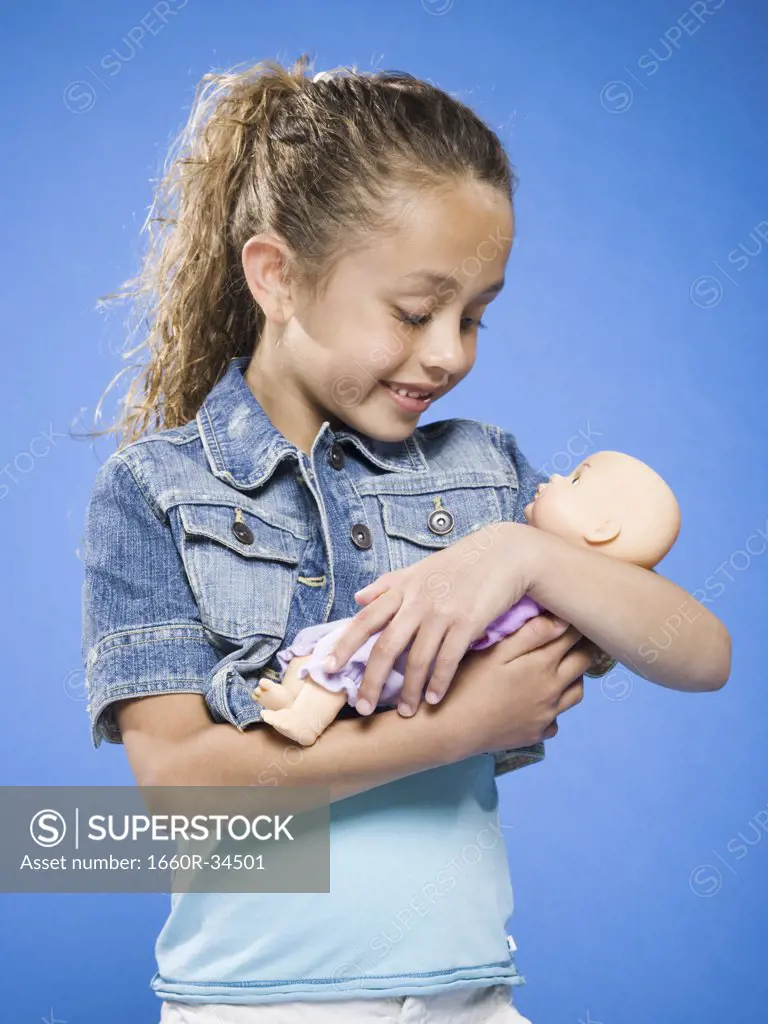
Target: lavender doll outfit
318, 641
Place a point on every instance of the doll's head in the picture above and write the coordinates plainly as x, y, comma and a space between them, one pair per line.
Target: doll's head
346, 229
612, 502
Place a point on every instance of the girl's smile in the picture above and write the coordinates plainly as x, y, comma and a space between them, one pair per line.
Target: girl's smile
407, 400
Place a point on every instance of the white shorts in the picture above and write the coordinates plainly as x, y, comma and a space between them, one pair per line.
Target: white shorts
475, 1005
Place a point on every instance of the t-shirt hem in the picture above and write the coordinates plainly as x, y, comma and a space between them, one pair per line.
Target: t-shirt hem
318, 989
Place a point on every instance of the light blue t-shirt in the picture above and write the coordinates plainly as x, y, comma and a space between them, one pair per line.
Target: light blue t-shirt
420, 895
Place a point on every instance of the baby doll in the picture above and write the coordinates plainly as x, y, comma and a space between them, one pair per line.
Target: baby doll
610, 501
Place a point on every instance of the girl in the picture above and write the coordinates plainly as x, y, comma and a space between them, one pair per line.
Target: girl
326, 249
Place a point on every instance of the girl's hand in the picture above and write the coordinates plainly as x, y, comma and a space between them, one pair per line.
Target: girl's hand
446, 600
510, 694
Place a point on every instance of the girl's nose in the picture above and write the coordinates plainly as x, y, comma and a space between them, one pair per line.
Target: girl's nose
444, 353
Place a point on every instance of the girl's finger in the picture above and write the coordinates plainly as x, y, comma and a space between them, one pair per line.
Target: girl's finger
366, 622
417, 667
572, 695
539, 631
393, 641
574, 664
452, 650
375, 589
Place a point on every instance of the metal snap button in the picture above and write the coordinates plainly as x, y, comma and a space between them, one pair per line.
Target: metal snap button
336, 455
241, 529
441, 521
361, 536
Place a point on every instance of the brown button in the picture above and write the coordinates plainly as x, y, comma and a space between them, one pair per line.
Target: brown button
336, 455
361, 536
243, 532
440, 521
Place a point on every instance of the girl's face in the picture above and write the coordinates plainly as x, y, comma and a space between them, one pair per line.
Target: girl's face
403, 311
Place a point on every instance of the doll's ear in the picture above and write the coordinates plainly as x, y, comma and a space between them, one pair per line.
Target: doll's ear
609, 529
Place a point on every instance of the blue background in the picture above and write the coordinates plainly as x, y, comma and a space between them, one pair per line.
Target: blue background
634, 312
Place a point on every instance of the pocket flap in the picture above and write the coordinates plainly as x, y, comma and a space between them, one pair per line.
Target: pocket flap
407, 516
215, 521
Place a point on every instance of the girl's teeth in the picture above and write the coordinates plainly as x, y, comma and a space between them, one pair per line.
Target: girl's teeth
408, 394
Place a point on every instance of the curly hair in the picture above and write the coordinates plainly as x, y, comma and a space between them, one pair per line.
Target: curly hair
322, 161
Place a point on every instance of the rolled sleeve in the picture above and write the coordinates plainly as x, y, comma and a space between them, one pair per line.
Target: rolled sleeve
528, 480
141, 630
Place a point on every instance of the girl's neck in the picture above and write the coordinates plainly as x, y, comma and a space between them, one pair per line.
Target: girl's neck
289, 408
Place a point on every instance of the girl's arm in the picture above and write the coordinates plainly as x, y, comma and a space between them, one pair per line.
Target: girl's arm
171, 740
638, 617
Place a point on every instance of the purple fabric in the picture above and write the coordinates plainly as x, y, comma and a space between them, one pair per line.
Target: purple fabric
507, 623
318, 641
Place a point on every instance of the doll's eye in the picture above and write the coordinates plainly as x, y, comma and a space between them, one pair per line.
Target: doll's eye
575, 478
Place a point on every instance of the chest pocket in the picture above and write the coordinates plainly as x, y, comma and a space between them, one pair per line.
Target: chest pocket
241, 569
417, 524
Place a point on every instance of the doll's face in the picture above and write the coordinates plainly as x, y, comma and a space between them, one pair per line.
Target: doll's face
570, 505
613, 500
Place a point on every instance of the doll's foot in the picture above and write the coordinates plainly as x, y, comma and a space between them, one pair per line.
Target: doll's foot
272, 695
291, 725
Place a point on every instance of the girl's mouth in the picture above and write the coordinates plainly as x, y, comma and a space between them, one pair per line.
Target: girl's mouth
409, 402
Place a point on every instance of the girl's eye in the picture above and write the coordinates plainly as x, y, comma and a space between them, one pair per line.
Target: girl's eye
414, 320
576, 478
473, 321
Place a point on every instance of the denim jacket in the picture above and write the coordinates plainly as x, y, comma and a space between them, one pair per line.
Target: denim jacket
208, 546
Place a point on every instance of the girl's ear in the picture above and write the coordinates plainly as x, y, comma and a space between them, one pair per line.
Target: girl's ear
605, 531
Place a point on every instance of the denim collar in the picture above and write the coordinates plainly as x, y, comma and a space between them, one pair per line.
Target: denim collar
244, 447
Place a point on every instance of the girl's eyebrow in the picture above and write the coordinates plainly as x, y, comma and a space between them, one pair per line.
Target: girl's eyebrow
432, 279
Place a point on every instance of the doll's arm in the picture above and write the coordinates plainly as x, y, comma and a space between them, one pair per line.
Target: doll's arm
637, 616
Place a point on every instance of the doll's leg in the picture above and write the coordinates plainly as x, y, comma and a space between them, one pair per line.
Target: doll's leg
273, 695
310, 714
